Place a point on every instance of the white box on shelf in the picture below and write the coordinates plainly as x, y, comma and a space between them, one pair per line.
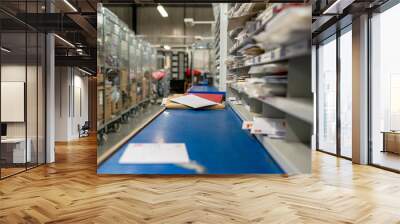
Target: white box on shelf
269, 126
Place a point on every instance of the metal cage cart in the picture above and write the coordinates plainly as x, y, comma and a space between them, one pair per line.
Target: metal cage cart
124, 73
139, 70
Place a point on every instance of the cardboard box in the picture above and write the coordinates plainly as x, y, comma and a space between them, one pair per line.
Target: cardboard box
123, 88
132, 94
116, 107
139, 91
126, 101
107, 89
108, 109
100, 115
100, 78
145, 87
392, 142
123, 82
100, 104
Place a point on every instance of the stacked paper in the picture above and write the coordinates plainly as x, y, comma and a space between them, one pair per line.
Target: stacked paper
193, 101
274, 128
155, 153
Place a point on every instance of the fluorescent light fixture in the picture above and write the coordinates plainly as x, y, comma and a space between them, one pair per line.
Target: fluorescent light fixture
70, 5
189, 21
337, 7
84, 71
5, 50
162, 11
167, 47
64, 40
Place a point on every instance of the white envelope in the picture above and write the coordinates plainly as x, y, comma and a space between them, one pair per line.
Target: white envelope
155, 153
269, 126
193, 101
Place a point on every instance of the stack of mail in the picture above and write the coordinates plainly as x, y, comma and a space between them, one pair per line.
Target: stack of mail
274, 128
193, 101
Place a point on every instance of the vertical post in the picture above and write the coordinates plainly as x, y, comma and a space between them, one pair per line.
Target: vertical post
223, 48
1, 165
338, 96
314, 71
50, 93
26, 90
360, 90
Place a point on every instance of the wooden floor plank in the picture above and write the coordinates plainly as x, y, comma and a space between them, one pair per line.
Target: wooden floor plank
70, 191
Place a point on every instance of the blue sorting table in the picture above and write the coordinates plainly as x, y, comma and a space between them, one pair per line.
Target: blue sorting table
204, 89
214, 140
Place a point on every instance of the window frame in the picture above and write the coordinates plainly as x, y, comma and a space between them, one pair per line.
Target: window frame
334, 37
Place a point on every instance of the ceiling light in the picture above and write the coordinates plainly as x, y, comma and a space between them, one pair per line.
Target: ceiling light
162, 11
337, 7
70, 5
192, 22
167, 47
84, 71
64, 40
5, 50
189, 21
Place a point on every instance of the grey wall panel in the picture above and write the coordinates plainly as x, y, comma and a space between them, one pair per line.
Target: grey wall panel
125, 13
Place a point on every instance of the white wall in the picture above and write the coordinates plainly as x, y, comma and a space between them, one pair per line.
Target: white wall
33, 127
16, 73
71, 103
80, 109
61, 103
12, 73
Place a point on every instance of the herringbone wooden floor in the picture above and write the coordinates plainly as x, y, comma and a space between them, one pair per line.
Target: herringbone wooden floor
69, 191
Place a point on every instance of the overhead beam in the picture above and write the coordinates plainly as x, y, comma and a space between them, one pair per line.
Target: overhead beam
81, 61
85, 25
49, 22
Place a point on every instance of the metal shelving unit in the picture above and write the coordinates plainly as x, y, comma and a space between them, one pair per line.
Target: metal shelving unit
292, 156
125, 64
175, 66
261, 26
179, 62
220, 45
283, 53
217, 40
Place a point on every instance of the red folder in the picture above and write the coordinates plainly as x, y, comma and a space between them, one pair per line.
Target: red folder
210, 96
